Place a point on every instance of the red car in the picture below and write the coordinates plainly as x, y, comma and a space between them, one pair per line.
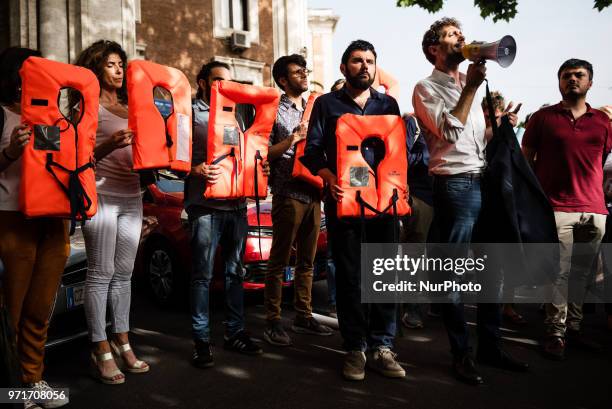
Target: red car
164, 257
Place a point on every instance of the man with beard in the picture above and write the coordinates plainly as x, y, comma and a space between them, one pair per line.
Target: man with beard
454, 128
566, 144
213, 223
364, 328
296, 209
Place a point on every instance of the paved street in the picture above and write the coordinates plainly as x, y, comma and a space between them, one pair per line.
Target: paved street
307, 375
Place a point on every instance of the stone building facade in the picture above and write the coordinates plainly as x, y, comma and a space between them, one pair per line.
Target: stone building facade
249, 35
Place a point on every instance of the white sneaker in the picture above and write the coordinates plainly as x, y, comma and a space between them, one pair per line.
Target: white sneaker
52, 403
30, 405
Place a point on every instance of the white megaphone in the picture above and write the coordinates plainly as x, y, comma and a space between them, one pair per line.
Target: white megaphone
502, 51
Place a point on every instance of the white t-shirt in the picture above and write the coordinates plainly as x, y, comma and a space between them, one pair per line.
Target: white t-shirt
11, 176
114, 174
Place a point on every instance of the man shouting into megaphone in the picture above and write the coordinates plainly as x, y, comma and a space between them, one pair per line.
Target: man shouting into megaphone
454, 127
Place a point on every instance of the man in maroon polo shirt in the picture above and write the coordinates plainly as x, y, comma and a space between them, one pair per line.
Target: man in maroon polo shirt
567, 144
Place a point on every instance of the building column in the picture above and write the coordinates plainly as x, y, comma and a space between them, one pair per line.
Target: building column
53, 29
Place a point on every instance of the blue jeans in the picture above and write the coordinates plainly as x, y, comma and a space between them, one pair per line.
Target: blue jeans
362, 326
331, 277
208, 231
457, 204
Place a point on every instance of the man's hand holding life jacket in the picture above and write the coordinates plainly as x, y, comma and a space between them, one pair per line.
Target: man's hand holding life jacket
19, 139
209, 172
332, 181
265, 166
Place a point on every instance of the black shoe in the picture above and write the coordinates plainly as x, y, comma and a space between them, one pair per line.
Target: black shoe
465, 370
553, 348
576, 339
243, 343
275, 334
202, 355
503, 360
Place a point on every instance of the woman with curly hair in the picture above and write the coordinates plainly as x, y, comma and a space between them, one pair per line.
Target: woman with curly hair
112, 235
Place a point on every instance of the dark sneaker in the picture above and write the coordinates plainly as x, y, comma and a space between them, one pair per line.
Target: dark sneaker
382, 360
465, 370
275, 334
554, 348
202, 355
310, 326
501, 359
576, 339
354, 366
412, 320
242, 342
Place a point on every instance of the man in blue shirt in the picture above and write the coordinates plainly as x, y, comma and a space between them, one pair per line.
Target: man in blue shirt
214, 223
363, 327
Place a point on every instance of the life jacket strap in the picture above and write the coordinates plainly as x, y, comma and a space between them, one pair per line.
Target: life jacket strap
80, 202
365, 205
258, 157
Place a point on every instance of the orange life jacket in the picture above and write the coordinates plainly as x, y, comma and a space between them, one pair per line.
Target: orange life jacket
57, 177
159, 143
390, 84
366, 193
300, 171
239, 155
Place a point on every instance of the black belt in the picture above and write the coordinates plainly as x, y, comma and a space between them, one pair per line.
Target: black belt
468, 176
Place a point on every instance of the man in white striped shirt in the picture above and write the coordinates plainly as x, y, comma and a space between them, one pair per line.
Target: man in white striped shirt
454, 127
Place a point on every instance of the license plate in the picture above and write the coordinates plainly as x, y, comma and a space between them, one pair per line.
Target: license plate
289, 273
74, 296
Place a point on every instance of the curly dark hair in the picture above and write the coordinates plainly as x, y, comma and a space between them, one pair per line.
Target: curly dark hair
280, 69
11, 60
432, 36
94, 57
357, 45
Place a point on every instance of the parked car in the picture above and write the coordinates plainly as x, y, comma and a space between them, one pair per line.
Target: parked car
68, 318
164, 259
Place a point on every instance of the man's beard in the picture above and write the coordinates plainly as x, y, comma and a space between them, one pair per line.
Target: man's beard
296, 88
360, 83
454, 59
573, 94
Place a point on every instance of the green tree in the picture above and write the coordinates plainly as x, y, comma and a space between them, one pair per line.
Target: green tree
497, 9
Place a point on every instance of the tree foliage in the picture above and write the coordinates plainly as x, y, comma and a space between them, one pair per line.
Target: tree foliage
496, 9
